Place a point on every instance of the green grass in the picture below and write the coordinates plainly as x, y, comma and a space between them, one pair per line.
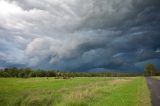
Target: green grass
156, 77
93, 91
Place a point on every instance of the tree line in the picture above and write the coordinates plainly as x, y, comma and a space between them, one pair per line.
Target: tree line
149, 70
28, 72
25, 73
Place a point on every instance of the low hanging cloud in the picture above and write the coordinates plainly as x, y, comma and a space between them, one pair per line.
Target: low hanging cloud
80, 35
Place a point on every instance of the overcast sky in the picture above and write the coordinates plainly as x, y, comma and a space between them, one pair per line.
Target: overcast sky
80, 35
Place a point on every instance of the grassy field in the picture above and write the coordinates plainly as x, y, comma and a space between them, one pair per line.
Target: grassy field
156, 77
98, 91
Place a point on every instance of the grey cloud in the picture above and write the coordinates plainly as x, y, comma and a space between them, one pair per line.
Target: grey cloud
80, 35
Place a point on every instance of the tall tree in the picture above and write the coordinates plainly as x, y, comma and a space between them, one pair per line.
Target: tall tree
150, 70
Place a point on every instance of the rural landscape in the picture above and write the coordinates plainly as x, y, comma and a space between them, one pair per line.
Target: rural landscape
27, 87
79, 52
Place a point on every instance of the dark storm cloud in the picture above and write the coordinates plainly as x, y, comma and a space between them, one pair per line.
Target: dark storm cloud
80, 35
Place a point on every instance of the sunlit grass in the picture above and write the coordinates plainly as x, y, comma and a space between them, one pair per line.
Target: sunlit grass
98, 91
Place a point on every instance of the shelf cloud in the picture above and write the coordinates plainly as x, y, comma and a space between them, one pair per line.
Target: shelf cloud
80, 35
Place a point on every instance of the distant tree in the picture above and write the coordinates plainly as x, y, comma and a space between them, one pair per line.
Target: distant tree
21, 75
4, 74
150, 70
40, 73
27, 71
50, 74
12, 72
32, 74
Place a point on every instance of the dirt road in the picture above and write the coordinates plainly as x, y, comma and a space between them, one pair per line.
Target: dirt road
154, 86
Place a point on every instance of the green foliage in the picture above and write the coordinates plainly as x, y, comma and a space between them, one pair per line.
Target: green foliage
25, 73
150, 70
4, 74
28, 72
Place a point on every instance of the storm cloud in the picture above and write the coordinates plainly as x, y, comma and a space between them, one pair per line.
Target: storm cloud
80, 35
